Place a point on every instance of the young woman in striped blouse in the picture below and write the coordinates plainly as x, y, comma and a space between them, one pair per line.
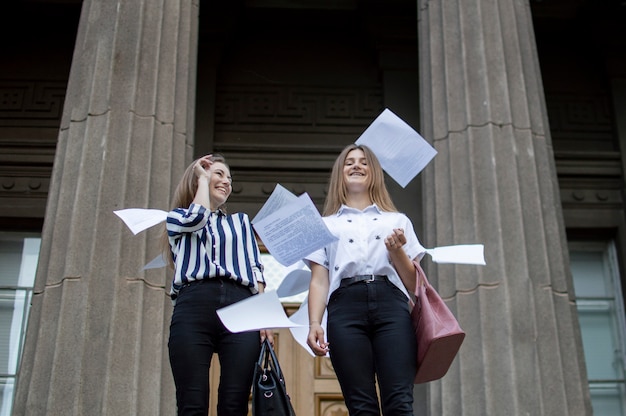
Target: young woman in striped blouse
216, 262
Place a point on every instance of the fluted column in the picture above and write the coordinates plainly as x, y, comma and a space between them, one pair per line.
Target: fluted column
96, 338
494, 182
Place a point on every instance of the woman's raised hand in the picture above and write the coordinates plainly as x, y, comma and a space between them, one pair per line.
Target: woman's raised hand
395, 240
202, 168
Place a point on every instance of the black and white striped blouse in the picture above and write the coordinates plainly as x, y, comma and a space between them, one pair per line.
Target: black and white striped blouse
207, 244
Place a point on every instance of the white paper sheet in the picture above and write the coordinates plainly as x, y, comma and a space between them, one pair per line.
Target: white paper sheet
279, 198
294, 231
139, 219
301, 333
459, 254
155, 263
402, 152
254, 313
295, 282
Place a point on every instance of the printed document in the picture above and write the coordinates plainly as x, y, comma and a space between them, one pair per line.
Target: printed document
279, 198
293, 231
401, 151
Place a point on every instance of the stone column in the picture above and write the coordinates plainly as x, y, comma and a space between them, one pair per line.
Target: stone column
96, 340
494, 182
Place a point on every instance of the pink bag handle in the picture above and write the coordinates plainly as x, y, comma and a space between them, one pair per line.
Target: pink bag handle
420, 276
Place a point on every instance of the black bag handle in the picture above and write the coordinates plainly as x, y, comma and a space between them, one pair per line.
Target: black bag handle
267, 352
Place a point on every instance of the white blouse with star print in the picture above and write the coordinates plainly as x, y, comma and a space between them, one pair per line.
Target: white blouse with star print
361, 245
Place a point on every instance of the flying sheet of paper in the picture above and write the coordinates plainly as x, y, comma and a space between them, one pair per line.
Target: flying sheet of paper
279, 198
301, 333
294, 231
139, 219
459, 254
155, 263
254, 313
402, 152
295, 282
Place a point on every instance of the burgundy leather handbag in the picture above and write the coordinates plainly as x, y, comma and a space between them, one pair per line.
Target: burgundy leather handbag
439, 336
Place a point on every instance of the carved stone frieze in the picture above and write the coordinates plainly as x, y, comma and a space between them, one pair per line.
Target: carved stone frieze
588, 160
580, 122
23, 196
296, 109
31, 103
591, 198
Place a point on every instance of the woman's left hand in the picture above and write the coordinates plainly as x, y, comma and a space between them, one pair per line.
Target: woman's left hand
269, 334
395, 240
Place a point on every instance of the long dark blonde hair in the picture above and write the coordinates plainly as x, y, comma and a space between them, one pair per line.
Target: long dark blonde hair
338, 192
183, 196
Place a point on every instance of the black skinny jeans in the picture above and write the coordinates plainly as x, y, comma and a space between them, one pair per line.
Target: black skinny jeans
196, 332
371, 334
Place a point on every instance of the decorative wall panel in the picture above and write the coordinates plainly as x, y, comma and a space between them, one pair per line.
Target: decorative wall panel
31, 103
586, 150
30, 115
296, 109
330, 405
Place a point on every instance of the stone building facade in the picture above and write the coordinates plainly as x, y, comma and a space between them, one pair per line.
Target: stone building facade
105, 103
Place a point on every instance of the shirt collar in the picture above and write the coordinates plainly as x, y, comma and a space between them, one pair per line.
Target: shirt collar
344, 209
219, 212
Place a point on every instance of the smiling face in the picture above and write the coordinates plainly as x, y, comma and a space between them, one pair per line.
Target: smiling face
220, 185
356, 174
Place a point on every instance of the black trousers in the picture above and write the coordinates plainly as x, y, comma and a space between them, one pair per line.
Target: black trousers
196, 332
371, 335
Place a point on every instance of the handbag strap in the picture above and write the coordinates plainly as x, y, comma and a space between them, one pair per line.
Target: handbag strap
262, 355
274, 360
420, 277
267, 352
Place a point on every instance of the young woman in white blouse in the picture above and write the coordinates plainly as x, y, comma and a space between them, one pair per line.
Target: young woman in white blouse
364, 279
216, 262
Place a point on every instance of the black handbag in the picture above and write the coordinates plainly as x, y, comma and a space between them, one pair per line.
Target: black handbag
269, 394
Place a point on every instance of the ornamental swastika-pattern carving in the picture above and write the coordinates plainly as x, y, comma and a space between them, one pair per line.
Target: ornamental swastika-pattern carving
282, 108
31, 103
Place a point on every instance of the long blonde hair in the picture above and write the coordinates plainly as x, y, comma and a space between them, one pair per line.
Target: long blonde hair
183, 196
338, 192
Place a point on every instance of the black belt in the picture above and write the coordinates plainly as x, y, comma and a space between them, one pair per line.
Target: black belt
209, 280
362, 278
